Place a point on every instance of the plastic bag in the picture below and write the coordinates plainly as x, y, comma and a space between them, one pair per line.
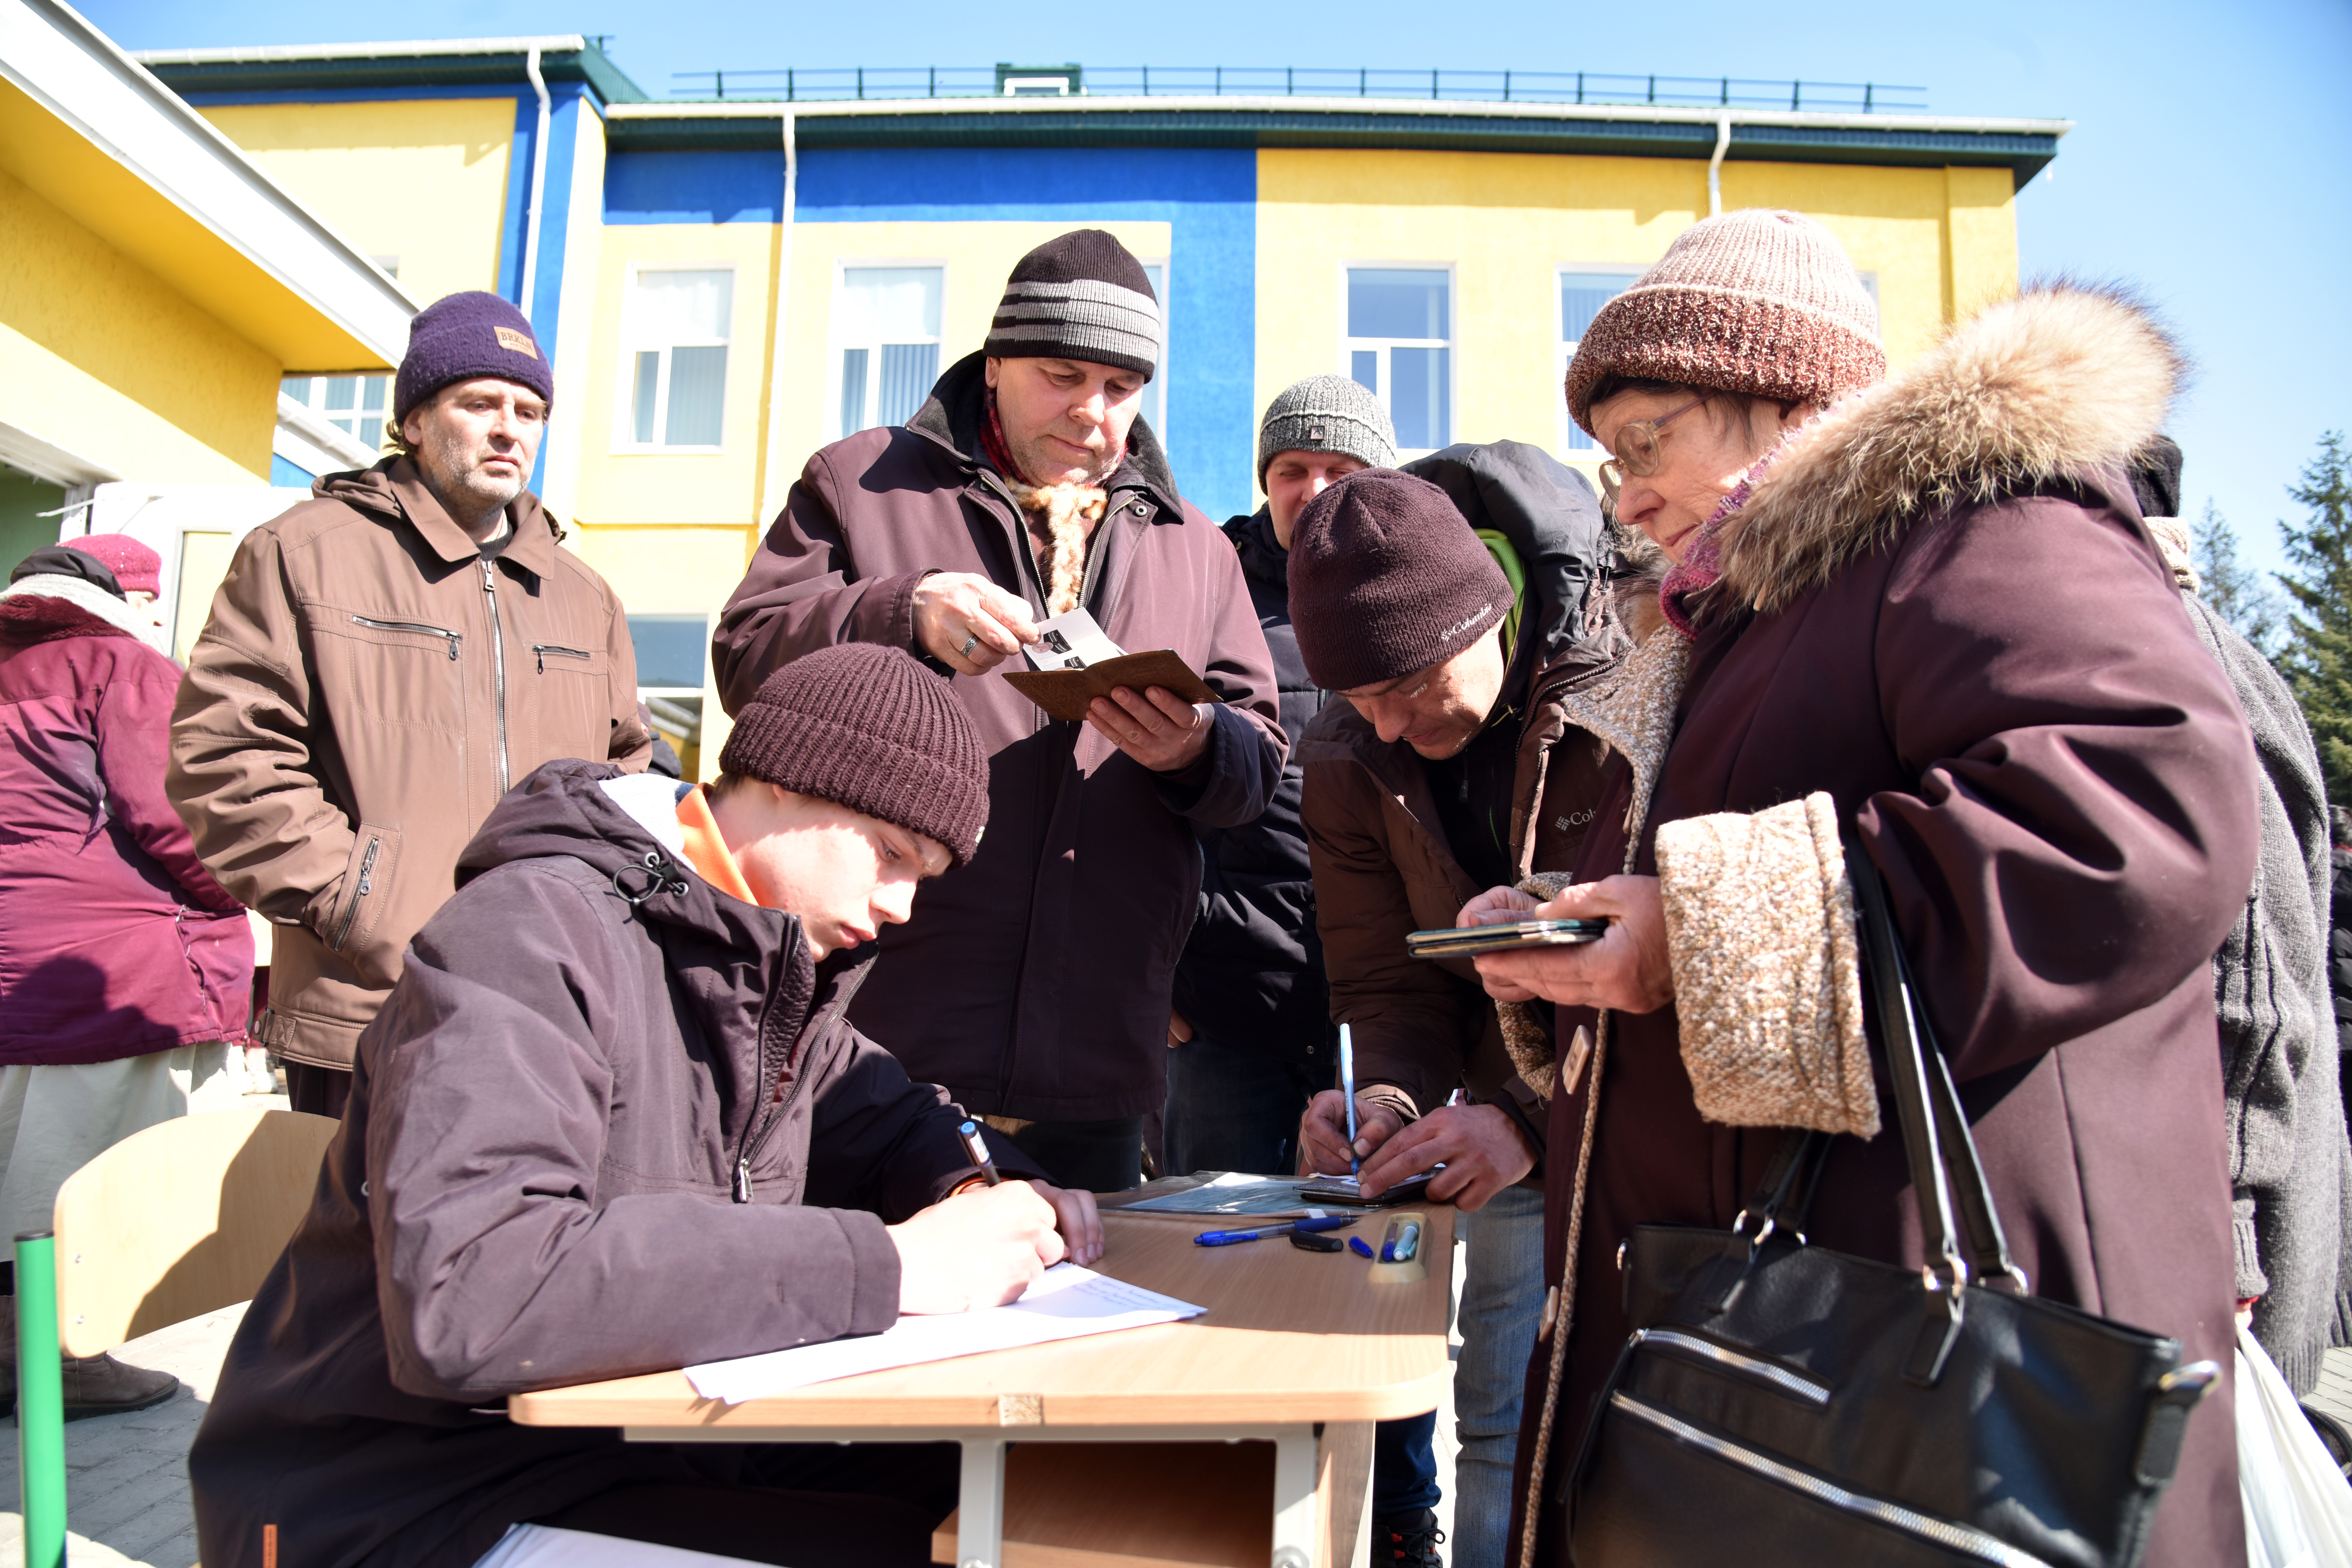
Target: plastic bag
2298, 1505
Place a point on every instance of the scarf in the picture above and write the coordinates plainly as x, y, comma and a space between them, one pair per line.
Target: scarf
1067, 514
1702, 564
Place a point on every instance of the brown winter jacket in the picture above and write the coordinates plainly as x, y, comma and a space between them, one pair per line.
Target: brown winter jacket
606, 1124
1942, 624
1034, 982
365, 689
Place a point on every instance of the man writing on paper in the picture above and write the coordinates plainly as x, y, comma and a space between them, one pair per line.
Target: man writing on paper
611, 1121
1035, 985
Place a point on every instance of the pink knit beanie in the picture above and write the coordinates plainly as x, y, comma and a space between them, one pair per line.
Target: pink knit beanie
139, 569
1758, 302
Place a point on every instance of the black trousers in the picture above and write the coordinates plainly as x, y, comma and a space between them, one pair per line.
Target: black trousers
316, 1091
1086, 1156
808, 1505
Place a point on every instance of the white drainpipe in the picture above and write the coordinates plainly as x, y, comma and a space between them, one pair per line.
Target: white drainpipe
537, 184
773, 479
1715, 166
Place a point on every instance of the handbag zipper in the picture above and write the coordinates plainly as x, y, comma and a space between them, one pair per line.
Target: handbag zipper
453, 639
1953, 1537
1778, 1376
367, 869
543, 648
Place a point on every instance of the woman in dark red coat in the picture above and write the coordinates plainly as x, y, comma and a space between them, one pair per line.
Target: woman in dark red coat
1931, 613
125, 971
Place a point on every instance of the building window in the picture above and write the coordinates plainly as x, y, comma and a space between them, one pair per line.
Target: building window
677, 370
1155, 391
887, 333
1400, 347
671, 653
1582, 293
358, 405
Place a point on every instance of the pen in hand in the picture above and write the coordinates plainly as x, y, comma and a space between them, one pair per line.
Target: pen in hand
1348, 1088
977, 1147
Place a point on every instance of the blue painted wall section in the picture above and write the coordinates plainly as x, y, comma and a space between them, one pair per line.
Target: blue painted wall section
566, 103
1208, 196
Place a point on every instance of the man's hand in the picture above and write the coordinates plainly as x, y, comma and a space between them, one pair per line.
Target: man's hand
1156, 728
1626, 970
980, 1249
1497, 905
1480, 1147
1180, 1029
1078, 1221
1323, 1132
968, 622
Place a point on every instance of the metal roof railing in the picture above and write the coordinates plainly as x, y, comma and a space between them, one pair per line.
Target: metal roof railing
864, 83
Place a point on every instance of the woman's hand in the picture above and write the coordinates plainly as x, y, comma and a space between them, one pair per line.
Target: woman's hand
1497, 905
1626, 971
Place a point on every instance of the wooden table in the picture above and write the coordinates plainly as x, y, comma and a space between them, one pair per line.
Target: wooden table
1298, 1349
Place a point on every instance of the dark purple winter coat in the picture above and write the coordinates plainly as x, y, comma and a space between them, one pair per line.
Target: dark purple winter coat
114, 939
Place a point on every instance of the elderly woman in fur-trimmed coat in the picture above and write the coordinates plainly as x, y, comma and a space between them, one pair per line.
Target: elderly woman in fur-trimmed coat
1931, 612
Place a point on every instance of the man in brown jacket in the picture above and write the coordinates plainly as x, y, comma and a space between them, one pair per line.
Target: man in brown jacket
381, 663
1036, 984
1441, 767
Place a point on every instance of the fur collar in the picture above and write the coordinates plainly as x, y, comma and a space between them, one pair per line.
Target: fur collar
2057, 385
48, 604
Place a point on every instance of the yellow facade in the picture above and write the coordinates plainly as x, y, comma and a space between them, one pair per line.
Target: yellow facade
105, 360
422, 180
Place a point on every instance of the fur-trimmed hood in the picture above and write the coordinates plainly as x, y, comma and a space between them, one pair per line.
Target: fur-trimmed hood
2060, 384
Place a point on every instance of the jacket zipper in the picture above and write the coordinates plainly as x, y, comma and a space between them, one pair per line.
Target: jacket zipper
367, 869
756, 1137
498, 666
1945, 1534
543, 648
1780, 1377
453, 638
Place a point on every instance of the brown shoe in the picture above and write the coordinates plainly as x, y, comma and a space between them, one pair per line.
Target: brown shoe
101, 1385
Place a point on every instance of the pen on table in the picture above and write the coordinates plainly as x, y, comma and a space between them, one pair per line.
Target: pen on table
1310, 1224
977, 1147
1348, 1088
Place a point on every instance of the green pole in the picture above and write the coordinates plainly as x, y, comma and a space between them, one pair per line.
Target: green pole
40, 1402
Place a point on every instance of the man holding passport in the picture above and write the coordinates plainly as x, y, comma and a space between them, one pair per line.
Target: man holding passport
610, 1121
1036, 984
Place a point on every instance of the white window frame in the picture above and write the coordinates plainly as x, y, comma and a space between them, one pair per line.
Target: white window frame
1348, 346
314, 399
701, 694
624, 427
838, 346
1566, 347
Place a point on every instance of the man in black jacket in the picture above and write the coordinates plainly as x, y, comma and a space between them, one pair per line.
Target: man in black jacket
611, 1121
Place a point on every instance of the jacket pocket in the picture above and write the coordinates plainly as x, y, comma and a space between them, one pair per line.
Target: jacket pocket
390, 667
566, 703
366, 893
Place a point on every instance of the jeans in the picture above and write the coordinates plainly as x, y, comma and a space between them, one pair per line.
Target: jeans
1233, 1109
1502, 1299
1086, 1156
1404, 1466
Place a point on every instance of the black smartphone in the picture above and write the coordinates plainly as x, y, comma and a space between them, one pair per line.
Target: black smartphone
1343, 1191
1459, 941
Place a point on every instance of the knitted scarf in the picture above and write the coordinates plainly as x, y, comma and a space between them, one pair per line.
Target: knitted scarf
1702, 564
1067, 514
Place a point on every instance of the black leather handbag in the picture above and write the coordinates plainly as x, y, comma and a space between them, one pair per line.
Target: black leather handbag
1781, 1403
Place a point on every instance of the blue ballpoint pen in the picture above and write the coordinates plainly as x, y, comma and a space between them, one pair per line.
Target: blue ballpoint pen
1348, 1088
1312, 1223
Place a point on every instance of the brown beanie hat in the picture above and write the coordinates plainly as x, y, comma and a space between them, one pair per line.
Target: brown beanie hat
1758, 302
1386, 577
868, 728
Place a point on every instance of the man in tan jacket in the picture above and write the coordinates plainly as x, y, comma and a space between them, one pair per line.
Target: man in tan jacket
381, 663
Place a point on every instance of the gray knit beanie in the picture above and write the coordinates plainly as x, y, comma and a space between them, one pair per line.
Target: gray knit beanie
1758, 301
1082, 296
1325, 413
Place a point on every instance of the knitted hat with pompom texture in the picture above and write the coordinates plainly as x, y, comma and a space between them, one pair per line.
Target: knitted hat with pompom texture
867, 727
1758, 301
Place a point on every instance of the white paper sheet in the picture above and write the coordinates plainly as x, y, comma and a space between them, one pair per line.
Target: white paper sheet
1071, 640
1069, 1302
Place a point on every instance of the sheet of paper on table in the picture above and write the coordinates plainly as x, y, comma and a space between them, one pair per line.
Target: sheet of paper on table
1069, 1303
1231, 1193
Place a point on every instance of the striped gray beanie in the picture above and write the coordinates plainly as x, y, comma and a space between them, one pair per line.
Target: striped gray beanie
1078, 296
1325, 413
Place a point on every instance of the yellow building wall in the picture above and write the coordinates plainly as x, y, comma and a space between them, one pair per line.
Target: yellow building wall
421, 179
99, 356
1939, 241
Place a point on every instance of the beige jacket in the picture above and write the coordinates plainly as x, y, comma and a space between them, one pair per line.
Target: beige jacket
367, 689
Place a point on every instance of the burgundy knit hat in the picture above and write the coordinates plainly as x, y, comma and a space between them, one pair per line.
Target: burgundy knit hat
1386, 577
137, 568
461, 336
868, 728
1757, 301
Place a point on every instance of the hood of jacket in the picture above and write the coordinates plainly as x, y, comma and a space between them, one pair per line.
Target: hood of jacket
2055, 387
45, 606
1264, 560
394, 490
952, 416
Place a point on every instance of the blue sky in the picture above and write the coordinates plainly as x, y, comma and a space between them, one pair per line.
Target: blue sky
2211, 166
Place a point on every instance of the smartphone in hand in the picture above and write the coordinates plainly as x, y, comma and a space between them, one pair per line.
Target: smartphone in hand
1461, 942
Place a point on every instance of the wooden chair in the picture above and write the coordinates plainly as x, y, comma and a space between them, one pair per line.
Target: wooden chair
181, 1219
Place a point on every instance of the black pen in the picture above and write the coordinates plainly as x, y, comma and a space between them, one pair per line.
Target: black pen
977, 1147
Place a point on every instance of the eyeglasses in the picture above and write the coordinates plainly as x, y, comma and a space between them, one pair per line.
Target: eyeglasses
1635, 450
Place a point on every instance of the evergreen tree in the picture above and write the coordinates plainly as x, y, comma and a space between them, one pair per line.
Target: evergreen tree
2318, 659
2235, 592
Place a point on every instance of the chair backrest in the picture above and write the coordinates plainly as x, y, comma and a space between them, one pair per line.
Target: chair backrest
183, 1218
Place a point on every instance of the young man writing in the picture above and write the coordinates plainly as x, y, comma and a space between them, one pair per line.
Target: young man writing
610, 1121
